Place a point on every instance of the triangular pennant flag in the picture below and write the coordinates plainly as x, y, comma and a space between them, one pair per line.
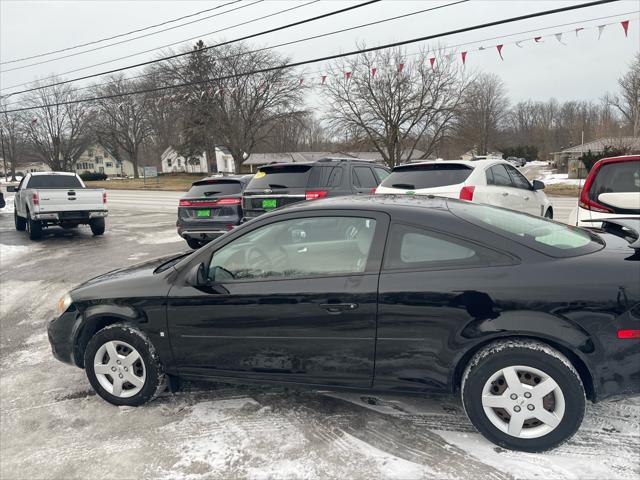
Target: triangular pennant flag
578, 29
324, 79
400, 67
481, 48
625, 26
432, 60
559, 38
518, 44
600, 30
464, 57
34, 120
301, 81
373, 71
537, 39
499, 47
347, 75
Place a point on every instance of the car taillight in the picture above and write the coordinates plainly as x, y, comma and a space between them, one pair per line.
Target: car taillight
585, 202
373, 190
104, 197
314, 195
466, 193
35, 199
229, 227
196, 203
229, 201
628, 333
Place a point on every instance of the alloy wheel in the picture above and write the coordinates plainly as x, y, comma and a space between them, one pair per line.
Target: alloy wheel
119, 369
523, 402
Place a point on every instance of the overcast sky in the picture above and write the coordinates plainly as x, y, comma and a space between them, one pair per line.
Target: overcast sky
584, 68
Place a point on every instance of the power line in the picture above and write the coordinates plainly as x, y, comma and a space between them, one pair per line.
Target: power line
327, 57
135, 38
246, 37
313, 37
178, 42
117, 36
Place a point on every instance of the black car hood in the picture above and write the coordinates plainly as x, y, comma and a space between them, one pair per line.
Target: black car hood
135, 272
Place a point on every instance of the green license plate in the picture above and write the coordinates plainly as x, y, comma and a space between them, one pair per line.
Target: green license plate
267, 204
203, 213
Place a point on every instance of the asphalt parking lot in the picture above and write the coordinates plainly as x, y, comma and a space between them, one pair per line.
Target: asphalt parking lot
52, 425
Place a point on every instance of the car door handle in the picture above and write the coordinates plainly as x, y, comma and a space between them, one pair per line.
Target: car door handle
336, 308
505, 194
526, 198
302, 250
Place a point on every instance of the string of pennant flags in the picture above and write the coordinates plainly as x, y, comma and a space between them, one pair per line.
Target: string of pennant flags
404, 66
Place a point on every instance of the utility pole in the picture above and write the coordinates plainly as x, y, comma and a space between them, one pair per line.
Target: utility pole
4, 158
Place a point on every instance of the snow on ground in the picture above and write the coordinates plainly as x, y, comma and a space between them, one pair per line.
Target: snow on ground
549, 177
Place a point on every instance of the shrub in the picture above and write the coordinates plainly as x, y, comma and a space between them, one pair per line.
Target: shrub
93, 177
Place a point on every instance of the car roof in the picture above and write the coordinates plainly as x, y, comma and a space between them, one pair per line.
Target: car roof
237, 178
323, 160
621, 158
468, 163
36, 174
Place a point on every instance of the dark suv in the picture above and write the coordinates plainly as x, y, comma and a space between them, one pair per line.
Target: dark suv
211, 207
285, 183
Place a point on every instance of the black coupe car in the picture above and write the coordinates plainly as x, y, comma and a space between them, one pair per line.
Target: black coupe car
525, 317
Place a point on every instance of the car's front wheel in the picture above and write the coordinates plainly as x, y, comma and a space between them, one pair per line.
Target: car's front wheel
123, 366
523, 395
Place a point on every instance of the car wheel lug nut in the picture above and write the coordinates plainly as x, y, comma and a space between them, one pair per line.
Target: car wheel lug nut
513, 396
531, 407
516, 408
113, 369
527, 394
118, 362
120, 375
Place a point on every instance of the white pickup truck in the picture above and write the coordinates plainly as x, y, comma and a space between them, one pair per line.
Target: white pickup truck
43, 199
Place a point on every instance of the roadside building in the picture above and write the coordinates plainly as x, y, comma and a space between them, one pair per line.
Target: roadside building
568, 160
474, 155
98, 159
29, 167
172, 162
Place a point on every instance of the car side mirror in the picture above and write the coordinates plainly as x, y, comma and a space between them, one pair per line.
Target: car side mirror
197, 276
12, 188
538, 185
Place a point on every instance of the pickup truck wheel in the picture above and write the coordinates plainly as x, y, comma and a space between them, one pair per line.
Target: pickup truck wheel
97, 226
34, 227
20, 223
123, 367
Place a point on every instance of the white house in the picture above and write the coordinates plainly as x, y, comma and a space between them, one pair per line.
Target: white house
172, 162
97, 159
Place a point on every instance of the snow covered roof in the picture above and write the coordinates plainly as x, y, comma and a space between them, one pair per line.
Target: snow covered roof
599, 144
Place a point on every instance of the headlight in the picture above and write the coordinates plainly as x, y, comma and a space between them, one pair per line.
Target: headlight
64, 303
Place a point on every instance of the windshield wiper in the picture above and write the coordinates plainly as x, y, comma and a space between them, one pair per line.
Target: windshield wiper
275, 185
208, 194
408, 186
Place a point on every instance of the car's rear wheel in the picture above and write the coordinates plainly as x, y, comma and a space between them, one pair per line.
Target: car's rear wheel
34, 228
195, 244
97, 226
123, 366
20, 222
523, 395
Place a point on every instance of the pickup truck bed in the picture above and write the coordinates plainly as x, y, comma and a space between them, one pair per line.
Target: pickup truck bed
58, 199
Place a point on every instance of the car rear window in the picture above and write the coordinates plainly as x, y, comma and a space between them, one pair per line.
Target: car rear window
210, 188
54, 181
281, 176
414, 177
546, 236
616, 177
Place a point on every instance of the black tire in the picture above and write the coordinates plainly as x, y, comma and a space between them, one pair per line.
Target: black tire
155, 379
525, 353
20, 222
34, 227
195, 244
549, 213
97, 225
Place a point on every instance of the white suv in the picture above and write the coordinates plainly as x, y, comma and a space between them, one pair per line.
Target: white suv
494, 182
611, 190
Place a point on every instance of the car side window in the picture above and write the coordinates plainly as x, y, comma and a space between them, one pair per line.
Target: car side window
381, 173
500, 176
363, 178
490, 179
519, 180
413, 247
335, 178
301, 247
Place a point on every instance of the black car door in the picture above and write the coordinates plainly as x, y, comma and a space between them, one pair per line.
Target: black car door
294, 299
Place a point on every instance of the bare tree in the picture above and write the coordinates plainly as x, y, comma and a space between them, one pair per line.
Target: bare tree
628, 102
58, 131
122, 121
375, 102
13, 140
483, 111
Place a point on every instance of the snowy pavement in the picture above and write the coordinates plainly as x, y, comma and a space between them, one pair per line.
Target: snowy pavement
52, 425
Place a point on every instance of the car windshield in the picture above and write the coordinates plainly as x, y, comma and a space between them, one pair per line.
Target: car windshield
546, 236
54, 181
281, 176
208, 188
413, 177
